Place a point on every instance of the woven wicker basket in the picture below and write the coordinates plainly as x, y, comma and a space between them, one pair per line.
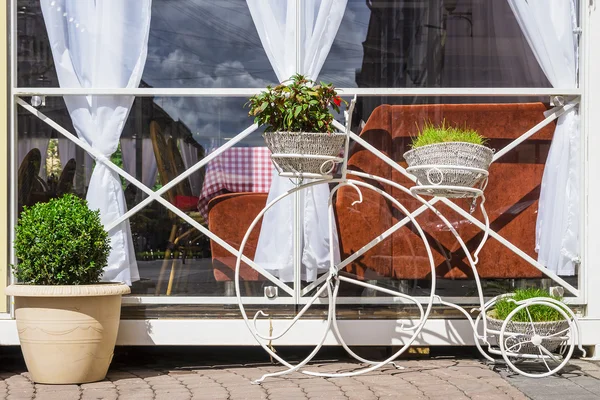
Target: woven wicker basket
448, 158
525, 332
289, 145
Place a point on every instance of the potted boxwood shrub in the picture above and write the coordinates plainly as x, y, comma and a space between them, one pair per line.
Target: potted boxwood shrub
299, 128
537, 318
67, 321
449, 156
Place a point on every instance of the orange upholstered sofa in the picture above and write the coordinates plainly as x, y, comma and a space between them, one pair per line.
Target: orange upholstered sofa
511, 199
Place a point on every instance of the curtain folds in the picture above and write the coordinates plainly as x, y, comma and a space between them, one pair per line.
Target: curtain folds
549, 27
101, 44
275, 21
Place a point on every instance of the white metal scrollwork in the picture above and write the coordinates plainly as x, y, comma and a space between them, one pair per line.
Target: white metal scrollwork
503, 341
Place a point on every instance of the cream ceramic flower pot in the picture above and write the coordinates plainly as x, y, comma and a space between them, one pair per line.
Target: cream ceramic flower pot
67, 333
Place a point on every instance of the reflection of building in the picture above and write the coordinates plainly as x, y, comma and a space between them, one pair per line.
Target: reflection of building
404, 44
35, 57
36, 69
404, 47
443, 43
143, 111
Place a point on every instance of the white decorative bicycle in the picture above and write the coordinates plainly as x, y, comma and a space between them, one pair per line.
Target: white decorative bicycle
528, 348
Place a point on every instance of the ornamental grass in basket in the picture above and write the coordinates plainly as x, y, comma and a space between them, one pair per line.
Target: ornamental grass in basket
449, 156
536, 318
298, 125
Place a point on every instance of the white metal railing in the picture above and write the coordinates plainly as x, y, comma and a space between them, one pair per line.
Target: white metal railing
151, 194
551, 116
247, 92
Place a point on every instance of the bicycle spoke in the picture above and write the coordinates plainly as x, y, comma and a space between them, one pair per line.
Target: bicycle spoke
541, 348
530, 319
544, 359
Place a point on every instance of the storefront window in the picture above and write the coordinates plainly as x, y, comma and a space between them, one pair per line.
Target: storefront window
380, 45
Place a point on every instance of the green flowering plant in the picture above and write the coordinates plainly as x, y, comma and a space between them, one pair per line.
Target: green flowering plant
61, 242
300, 106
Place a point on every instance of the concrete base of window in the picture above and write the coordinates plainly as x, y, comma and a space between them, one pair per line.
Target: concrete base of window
218, 332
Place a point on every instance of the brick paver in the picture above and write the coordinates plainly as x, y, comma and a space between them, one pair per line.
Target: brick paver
177, 376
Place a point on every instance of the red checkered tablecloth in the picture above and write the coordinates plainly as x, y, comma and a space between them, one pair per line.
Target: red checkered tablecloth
239, 169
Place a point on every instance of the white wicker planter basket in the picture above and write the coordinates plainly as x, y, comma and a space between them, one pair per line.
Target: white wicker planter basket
303, 153
522, 332
440, 164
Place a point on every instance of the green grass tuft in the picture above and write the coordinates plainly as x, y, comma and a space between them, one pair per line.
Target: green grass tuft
431, 134
539, 313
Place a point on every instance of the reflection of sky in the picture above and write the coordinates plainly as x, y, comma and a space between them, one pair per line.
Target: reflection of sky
200, 43
214, 43
346, 55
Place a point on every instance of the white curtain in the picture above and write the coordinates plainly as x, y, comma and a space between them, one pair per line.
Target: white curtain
549, 26
101, 44
149, 167
275, 21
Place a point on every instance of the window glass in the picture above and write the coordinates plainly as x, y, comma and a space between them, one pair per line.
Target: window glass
192, 43
431, 43
205, 44
381, 43
173, 258
162, 138
400, 261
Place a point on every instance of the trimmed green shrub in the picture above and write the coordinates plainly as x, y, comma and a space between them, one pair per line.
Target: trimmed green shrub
61, 242
431, 134
539, 313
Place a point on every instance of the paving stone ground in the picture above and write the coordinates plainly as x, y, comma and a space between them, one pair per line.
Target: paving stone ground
190, 373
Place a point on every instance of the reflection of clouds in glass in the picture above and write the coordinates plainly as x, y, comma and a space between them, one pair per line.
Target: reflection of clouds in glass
180, 66
342, 77
193, 42
199, 43
210, 119
206, 44
346, 55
